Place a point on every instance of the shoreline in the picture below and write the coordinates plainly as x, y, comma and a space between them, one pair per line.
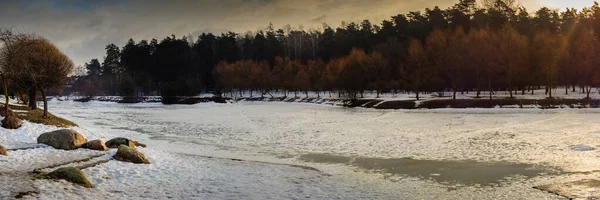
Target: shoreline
374, 103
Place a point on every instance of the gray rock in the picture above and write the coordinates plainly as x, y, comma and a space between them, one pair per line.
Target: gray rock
95, 145
66, 139
129, 154
116, 142
71, 174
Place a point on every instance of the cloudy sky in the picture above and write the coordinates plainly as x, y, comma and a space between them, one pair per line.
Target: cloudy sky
82, 28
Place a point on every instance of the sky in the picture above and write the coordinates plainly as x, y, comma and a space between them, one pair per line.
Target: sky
82, 28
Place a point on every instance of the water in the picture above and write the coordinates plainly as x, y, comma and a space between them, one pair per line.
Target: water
441, 171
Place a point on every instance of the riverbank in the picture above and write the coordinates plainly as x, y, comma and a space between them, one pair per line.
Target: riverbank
375, 103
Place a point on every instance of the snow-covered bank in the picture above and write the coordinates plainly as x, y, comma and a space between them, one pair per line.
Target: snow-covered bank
282, 132
371, 99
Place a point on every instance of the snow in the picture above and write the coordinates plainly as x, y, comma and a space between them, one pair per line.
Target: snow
188, 177
531, 136
281, 132
194, 148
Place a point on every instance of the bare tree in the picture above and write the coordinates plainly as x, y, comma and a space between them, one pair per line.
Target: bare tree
45, 67
11, 54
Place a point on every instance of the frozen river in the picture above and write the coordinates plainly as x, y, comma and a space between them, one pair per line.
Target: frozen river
423, 154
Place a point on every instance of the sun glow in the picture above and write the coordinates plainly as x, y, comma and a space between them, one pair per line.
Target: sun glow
562, 4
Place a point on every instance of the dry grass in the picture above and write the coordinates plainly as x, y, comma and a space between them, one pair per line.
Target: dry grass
35, 116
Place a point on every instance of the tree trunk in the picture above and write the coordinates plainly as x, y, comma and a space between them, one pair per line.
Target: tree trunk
532, 90
417, 93
549, 90
5, 83
490, 87
454, 94
587, 91
45, 102
32, 99
523, 91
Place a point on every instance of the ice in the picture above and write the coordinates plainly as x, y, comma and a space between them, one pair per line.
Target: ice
251, 150
281, 132
582, 147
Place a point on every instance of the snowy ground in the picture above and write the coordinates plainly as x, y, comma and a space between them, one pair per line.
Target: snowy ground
191, 148
271, 137
171, 175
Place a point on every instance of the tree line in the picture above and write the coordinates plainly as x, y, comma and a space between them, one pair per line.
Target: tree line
487, 46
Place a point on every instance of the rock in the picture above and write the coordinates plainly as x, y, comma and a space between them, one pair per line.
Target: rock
116, 142
11, 122
582, 147
129, 154
66, 139
71, 174
95, 145
138, 144
2, 110
3, 151
26, 193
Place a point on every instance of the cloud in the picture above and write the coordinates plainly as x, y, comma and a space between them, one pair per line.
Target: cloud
319, 19
83, 28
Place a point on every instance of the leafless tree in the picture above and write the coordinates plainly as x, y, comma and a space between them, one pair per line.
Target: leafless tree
45, 67
11, 54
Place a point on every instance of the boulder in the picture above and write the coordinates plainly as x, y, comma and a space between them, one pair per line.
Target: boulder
66, 139
116, 142
95, 145
11, 122
71, 174
129, 154
2, 110
138, 144
3, 151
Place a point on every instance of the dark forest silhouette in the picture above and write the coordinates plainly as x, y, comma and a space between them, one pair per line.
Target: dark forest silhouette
497, 46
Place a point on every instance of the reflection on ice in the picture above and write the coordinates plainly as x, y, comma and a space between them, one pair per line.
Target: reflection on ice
447, 172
